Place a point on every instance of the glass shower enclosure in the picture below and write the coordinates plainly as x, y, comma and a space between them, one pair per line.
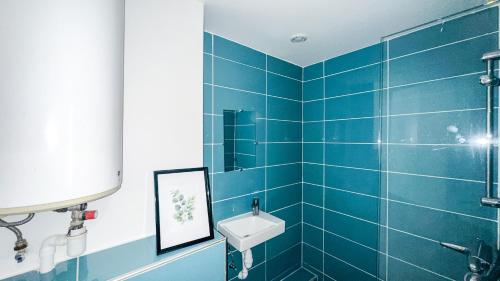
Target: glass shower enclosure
437, 158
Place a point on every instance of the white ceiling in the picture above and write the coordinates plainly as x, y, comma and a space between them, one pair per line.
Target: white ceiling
334, 27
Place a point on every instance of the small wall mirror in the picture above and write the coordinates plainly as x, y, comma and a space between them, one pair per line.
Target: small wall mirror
239, 140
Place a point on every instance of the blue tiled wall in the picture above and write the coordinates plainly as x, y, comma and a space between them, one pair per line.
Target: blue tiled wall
237, 77
391, 166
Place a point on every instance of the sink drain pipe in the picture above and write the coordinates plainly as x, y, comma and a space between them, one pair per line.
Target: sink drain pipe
247, 261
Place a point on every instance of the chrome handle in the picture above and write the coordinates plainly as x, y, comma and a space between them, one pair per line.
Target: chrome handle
490, 81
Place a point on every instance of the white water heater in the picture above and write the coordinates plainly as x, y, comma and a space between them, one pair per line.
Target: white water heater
61, 102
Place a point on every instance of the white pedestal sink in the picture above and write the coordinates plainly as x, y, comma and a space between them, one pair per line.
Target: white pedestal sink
246, 231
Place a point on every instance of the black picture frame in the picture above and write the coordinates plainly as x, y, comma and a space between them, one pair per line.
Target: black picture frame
157, 174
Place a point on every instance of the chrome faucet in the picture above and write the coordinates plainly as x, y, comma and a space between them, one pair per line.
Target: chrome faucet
255, 206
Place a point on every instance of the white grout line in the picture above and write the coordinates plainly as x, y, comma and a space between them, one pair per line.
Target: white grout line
442, 46
250, 269
261, 167
290, 274
315, 276
279, 120
324, 161
284, 251
302, 172
286, 207
388, 256
366, 272
265, 170
387, 163
395, 172
402, 56
213, 118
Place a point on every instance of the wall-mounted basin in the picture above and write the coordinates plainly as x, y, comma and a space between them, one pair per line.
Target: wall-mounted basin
246, 231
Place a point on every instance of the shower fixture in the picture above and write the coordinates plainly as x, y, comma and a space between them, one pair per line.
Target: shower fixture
490, 81
483, 260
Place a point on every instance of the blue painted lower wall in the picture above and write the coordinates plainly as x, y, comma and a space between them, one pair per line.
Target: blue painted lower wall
137, 260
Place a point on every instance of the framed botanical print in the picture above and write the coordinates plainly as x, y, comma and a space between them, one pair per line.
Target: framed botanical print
183, 208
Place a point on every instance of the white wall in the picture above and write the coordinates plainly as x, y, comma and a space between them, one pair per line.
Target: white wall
163, 127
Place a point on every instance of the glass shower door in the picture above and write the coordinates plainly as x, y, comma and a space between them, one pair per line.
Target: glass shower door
433, 148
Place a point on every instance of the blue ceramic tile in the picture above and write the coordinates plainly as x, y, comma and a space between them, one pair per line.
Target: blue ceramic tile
291, 215
284, 196
359, 206
247, 181
313, 215
440, 226
301, 275
356, 230
218, 158
446, 161
399, 270
313, 71
313, 194
207, 42
239, 53
353, 155
227, 99
242, 77
257, 273
283, 131
340, 270
284, 87
462, 28
210, 262
207, 157
218, 129
207, 68
359, 58
283, 241
313, 111
207, 98
465, 127
313, 132
366, 79
352, 253
313, 152
275, 175
355, 130
312, 257
207, 129
355, 180
63, 271
452, 60
355, 106
245, 146
313, 173
313, 236
447, 194
258, 254
237, 206
450, 94
284, 264
282, 153
319, 276
284, 68
426, 254
314, 90
284, 109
